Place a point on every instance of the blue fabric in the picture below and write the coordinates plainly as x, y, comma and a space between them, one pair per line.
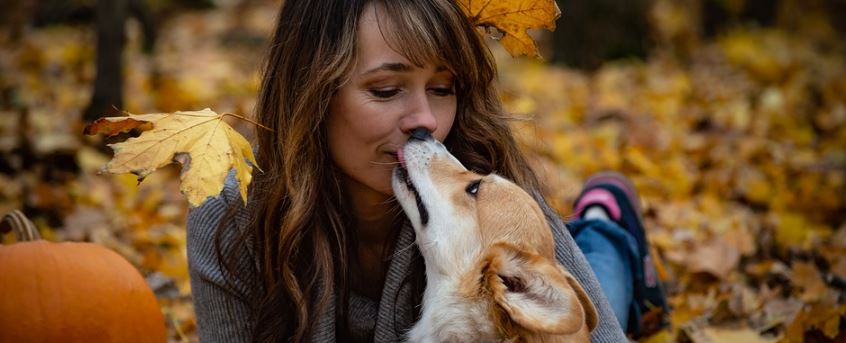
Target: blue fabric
612, 253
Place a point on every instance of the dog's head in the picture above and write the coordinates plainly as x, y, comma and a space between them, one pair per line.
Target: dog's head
456, 211
489, 230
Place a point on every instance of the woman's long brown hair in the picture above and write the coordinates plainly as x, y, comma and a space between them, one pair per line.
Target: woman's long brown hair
296, 229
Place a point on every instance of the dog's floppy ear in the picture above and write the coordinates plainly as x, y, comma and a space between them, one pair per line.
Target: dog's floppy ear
536, 293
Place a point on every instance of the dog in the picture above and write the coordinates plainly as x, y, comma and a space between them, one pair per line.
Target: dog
489, 255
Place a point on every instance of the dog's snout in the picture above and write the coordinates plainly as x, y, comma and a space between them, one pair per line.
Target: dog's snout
420, 134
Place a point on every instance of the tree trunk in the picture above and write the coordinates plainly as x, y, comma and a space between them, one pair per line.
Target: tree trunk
108, 85
590, 32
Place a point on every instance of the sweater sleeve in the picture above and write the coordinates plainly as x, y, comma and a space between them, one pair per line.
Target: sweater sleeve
570, 256
222, 313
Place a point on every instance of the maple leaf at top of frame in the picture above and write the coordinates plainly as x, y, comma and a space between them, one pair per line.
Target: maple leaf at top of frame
513, 18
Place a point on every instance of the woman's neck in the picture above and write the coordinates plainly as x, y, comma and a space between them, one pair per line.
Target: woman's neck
374, 215
374, 219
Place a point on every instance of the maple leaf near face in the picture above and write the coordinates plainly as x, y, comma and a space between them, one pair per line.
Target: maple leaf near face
201, 141
513, 18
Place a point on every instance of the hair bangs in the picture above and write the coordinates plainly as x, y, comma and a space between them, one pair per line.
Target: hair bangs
431, 32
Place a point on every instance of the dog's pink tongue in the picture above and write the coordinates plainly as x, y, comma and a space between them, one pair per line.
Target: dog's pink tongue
401, 158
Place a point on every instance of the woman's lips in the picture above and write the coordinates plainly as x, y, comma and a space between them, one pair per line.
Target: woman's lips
398, 156
401, 158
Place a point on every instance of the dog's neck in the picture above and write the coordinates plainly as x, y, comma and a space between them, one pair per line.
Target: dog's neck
448, 261
447, 315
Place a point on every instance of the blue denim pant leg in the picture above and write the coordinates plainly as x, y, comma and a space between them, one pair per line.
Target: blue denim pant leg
612, 254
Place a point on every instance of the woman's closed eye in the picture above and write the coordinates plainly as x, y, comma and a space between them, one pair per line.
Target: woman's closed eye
384, 93
442, 91
387, 93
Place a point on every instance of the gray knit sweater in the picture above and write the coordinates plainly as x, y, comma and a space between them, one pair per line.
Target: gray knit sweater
222, 317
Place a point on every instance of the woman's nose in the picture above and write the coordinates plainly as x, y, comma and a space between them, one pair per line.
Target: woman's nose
421, 116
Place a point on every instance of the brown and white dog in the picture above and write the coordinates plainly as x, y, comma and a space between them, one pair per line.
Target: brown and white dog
489, 254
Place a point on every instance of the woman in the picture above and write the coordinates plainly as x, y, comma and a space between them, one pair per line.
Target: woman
321, 252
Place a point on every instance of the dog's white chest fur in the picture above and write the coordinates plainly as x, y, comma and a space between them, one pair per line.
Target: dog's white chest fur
448, 317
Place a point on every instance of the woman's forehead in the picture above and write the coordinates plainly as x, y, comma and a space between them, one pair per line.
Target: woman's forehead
373, 48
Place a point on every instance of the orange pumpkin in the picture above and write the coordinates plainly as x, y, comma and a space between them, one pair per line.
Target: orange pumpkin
72, 292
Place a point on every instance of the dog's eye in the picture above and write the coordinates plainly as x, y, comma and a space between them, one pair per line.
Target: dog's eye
473, 188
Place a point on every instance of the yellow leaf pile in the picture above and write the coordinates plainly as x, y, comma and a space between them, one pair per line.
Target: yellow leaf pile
206, 146
737, 146
513, 18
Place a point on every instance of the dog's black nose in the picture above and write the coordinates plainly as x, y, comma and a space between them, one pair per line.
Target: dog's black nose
420, 134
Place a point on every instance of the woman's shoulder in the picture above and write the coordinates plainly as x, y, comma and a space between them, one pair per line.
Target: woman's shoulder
551, 215
223, 212
564, 244
222, 295
227, 214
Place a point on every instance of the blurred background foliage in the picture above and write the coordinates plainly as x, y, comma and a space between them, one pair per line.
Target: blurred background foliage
729, 116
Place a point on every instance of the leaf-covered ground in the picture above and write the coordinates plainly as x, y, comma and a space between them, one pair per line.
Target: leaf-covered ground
737, 145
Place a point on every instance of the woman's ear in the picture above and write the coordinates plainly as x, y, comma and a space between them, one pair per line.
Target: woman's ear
536, 293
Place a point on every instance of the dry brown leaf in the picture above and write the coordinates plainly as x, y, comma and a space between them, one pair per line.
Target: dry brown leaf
111, 128
201, 141
513, 18
838, 268
806, 276
714, 256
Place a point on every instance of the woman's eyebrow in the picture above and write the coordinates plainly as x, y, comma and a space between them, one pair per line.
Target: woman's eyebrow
395, 66
399, 67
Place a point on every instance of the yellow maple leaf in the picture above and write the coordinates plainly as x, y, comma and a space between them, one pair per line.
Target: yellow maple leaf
513, 18
206, 146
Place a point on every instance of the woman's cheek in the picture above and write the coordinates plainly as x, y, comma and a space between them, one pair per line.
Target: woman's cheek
446, 118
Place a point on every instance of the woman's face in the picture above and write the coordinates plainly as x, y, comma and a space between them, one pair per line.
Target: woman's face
373, 114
